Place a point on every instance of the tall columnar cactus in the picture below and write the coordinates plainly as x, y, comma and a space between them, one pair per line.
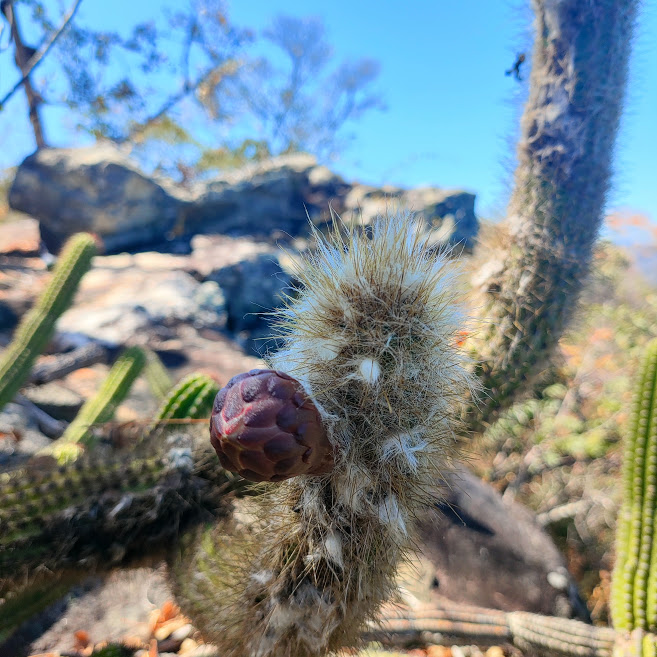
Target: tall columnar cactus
100, 407
529, 286
372, 343
634, 592
36, 329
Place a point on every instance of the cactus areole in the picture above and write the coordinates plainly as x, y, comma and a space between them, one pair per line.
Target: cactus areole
265, 428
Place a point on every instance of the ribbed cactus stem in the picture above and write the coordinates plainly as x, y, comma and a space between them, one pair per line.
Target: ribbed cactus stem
36, 328
190, 399
100, 407
634, 582
103, 511
529, 285
156, 375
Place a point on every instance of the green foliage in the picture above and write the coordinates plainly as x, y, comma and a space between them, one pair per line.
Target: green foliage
634, 593
188, 73
37, 327
100, 407
250, 150
17, 609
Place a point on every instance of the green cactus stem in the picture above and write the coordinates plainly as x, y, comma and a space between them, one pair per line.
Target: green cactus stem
191, 399
634, 582
100, 512
100, 407
156, 375
36, 328
529, 283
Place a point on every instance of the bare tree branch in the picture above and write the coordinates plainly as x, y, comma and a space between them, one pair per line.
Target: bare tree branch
38, 58
228, 68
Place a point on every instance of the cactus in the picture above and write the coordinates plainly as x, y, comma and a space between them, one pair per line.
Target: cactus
102, 511
156, 375
191, 399
301, 568
36, 328
100, 407
634, 592
372, 340
528, 286
35, 502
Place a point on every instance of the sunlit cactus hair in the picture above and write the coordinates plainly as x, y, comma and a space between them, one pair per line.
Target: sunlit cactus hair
372, 337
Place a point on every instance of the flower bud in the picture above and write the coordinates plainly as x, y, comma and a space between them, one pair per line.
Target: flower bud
265, 428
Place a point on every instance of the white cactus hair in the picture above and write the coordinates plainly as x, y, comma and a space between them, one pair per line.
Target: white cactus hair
372, 336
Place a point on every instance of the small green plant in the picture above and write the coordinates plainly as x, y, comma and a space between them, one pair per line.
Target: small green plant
36, 329
100, 407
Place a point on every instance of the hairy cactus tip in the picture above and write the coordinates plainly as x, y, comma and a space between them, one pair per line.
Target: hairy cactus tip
356, 422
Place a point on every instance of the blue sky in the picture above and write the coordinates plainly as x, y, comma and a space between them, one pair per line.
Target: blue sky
451, 113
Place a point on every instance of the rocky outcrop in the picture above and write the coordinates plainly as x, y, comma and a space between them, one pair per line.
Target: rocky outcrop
225, 286
490, 552
99, 190
94, 189
127, 298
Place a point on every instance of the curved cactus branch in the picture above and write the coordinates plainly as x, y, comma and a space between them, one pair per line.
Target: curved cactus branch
530, 285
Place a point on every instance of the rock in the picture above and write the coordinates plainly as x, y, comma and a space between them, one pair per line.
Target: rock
124, 297
264, 201
20, 237
98, 189
56, 400
449, 214
21, 280
94, 189
19, 436
253, 282
107, 610
491, 553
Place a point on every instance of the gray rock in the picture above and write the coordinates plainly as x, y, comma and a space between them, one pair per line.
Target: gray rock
492, 553
19, 436
125, 299
449, 214
98, 190
93, 189
56, 400
253, 287
263, 201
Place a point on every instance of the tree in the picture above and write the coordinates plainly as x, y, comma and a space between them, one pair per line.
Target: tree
304, 103
172, 86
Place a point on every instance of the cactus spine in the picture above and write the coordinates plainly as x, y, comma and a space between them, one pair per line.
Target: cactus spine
36, 329
634, 591
100, 407
372, 340
529, 288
